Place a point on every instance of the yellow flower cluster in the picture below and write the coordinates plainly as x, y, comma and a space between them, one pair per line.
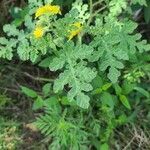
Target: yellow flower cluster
52, 10
38, 32
47, 9
76, 31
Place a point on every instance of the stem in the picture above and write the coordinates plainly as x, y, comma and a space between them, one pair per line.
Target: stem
38, 78
96, 3
98, 11
93, 14
91, 11
80, 38
91, 6
11, 90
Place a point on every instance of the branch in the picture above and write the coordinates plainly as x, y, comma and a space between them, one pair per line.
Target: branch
96, 3
38, 78
96, 12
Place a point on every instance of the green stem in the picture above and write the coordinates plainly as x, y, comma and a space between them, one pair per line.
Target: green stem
91, 6
39, 78
80, 38
91, 11
96, 3
98, 11
44, 79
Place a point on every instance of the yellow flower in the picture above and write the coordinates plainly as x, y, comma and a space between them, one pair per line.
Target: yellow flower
38, 32
76, 31
77, 24
47, 9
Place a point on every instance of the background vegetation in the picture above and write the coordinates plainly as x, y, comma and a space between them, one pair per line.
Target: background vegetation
33, 117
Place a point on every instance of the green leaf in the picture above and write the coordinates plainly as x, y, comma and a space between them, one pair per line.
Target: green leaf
46, 62
29, 92
83, 100
65, 101
52, 103
57, 63
38, 103
117, 45
46, 89
106, 86
147, 12
107, 99
118, 89
76, 75
122, 119
6, 47
125, 101
104, 146
97, 91
117, 6
113, 74
60, 82
142, 91
127, 87
97, 82
19, 15
11, 30
141, 2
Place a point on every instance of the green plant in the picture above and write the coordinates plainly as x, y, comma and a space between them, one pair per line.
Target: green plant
95, 52
9, 137
4, 100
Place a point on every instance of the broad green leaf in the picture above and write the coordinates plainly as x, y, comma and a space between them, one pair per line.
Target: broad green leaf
97, 91
125, 101
127, 87
65, 101
19, 15
118, 89
46, 89
113, 74
104, 146
142, 91
29, 92
46, 62
122, 119
106, 86
83, 100
97, 82
107, 99
52, 103
147, 12
38, 103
